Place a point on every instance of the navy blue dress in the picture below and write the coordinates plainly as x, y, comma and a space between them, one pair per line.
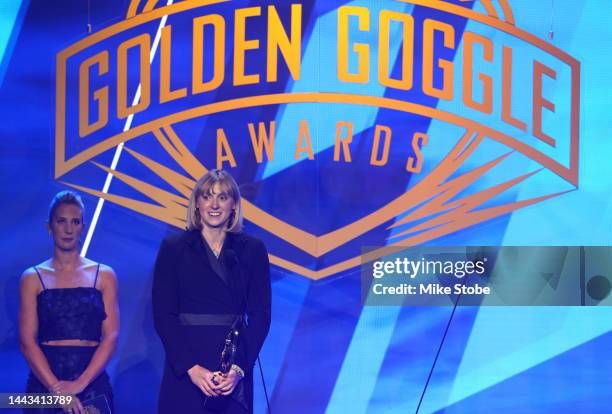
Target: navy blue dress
70, 313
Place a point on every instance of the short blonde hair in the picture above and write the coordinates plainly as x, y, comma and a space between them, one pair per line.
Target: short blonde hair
204, 186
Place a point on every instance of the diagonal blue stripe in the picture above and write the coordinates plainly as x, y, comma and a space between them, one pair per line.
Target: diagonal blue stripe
11, 18
577, 380
358, 381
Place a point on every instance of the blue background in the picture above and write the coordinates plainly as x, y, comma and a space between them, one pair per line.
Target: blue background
325, 352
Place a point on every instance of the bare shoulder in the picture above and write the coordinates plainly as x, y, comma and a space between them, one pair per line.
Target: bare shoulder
29, 281
28, 274
106, 277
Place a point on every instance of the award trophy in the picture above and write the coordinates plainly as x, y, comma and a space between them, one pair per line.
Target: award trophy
228, 356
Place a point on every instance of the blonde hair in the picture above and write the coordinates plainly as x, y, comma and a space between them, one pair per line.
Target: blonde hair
65, 197
203, 187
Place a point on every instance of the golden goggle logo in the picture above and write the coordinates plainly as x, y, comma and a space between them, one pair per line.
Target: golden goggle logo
98, 107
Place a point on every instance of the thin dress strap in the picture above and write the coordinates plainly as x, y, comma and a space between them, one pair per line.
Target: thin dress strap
40, 278
97, 271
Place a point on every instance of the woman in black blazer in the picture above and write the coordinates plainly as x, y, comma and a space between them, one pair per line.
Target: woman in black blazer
206, 279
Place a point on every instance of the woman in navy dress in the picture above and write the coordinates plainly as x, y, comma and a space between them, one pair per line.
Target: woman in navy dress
68, 316
208, 278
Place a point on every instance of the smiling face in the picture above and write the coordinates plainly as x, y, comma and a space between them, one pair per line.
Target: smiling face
66, 226
215, 207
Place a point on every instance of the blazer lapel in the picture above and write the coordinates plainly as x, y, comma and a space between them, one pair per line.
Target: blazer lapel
216, 265
231, 261
200, 249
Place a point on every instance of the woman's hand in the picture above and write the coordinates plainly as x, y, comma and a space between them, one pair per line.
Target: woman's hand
75, 407
228, 382
203, 379
68, 387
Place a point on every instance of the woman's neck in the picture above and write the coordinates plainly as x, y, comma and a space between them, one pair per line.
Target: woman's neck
66, 260
213, 236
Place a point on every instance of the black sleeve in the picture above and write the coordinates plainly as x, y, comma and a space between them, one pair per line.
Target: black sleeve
258, 306
166, 310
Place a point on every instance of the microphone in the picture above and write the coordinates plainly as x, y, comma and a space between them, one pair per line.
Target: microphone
230, 258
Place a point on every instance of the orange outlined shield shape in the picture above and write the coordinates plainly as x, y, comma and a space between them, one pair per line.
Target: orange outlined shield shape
429, 209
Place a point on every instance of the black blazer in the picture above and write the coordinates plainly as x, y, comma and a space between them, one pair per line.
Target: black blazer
185, 282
